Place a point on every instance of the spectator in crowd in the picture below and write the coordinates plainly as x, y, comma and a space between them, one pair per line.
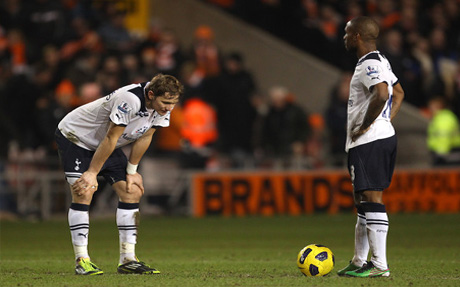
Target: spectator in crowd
130, 65
235, 89
148, 58
405, 65
199, 133
443, 58
154, 32
12, 14
115, 35
456, 100
110, 75
336, 120
285, 127
89, 92
84, 69
205, 52
421, 52
50, 109
16, 47
193, 79
84, 39
51, 60
46, 23
169, 56
19, 105
443, 134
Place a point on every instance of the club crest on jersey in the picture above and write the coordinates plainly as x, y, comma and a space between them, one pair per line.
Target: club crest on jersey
77, 164
124, 108
372, 71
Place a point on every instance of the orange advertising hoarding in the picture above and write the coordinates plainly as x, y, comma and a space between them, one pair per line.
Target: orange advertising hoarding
294, 193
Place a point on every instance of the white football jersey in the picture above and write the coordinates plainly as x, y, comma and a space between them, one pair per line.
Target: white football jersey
371, 69
87, 125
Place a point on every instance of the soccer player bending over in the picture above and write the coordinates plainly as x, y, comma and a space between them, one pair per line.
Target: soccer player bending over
89, 140
375, 98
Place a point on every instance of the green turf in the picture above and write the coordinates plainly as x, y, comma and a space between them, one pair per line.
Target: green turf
423, 250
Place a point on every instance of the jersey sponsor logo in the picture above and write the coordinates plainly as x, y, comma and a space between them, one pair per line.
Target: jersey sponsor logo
128, 138
141, 130
373, 71
124, 108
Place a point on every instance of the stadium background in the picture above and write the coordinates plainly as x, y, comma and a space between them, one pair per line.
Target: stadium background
256, 210
59, 54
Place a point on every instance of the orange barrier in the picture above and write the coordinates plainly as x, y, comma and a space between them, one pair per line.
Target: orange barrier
294, 193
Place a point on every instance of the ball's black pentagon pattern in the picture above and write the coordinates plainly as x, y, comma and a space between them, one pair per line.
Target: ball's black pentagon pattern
304, 255
321, 256
313, 270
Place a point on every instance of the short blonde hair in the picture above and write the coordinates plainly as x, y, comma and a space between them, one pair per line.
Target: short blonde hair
165, 86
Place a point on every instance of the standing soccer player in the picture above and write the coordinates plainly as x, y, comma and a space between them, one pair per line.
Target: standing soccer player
375, 98
89, 140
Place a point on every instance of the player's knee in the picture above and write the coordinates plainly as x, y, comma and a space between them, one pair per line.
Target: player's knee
81, 197
134, 194
372, 196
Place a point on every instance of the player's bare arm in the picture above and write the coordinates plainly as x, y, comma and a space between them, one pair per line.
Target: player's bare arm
138, 150
398, 97
88, 181
379, 97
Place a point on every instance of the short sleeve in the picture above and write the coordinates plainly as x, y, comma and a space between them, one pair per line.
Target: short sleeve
373, 72
124, 108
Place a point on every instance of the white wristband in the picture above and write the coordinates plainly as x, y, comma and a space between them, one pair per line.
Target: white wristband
131, 168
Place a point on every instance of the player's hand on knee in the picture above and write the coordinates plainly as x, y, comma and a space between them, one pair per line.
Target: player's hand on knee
134, 183
87, 183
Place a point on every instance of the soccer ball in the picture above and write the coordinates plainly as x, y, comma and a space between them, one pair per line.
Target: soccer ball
315, 260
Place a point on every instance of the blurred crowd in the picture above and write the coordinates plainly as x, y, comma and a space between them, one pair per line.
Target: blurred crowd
57, 55
420, 38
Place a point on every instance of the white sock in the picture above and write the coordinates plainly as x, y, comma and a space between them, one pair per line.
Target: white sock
127, 221
361, 241
377, 230
79, 228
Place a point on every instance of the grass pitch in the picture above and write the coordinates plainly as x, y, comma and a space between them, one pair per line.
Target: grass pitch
423, 250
